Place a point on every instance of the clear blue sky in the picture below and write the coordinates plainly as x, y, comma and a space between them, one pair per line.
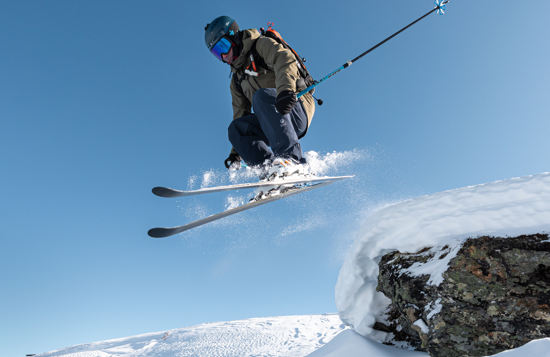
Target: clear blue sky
102, 100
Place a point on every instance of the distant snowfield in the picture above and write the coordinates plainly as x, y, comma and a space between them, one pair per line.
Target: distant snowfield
286, 336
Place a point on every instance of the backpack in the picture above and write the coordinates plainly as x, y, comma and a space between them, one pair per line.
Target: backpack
305, 80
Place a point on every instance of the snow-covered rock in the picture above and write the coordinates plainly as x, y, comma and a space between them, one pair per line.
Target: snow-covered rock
504, 208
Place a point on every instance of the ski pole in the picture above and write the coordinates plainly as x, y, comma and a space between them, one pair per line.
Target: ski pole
439, 7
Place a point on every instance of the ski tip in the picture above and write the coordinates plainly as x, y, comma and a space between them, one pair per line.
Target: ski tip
336, 178
163, 192
156, 190
157, 233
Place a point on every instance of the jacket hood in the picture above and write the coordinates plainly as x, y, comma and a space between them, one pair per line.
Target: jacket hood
248, 38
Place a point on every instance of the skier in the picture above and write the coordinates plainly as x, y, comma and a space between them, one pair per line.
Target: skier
266, 112
265, 79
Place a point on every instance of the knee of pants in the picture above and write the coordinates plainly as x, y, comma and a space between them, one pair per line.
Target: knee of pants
233, 132
264, 95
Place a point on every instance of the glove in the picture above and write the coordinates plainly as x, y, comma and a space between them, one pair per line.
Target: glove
233, 162
286, 100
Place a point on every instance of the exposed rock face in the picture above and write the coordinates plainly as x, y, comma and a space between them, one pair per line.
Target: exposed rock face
495, 296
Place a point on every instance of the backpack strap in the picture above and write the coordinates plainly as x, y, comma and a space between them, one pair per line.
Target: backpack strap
305, 78
257, 60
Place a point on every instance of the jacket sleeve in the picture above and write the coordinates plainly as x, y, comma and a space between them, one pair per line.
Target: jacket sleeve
281, 61
241, 104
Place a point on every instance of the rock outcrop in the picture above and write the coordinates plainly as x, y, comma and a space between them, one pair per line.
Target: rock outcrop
494, 296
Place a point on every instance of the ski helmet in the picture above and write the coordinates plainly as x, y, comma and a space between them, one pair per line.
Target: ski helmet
220, 27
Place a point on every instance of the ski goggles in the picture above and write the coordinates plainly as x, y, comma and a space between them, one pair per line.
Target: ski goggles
221, 48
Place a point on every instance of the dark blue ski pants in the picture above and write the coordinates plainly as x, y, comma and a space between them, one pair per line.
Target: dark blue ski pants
253, 134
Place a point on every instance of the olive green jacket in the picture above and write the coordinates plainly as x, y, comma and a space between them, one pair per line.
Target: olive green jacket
281, 74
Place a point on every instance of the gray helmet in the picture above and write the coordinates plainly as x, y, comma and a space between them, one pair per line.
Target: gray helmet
221, 26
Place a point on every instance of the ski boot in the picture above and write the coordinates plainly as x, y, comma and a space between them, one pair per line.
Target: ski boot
280, 169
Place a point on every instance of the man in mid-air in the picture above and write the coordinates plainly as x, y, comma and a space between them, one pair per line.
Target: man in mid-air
266, 112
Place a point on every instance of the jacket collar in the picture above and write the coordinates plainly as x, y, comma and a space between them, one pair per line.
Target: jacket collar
249, 36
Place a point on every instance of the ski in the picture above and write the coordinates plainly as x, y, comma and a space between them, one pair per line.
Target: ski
171, 193
167, 232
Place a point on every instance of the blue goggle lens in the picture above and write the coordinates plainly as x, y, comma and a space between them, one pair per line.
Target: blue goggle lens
221, 48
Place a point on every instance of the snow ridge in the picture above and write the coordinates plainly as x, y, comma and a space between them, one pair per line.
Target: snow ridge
503, 208
288, 336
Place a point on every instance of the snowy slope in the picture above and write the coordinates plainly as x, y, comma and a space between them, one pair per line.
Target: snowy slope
504, 208
288, 336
